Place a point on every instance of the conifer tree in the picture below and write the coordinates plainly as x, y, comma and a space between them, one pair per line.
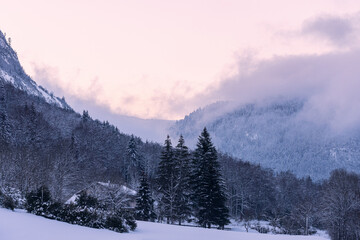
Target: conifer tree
182, 202
133, 164
85, 117
167, 182
144, 203
208, 188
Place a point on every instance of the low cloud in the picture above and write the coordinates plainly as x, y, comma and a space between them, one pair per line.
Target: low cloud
338, 30
329, 83
79, 99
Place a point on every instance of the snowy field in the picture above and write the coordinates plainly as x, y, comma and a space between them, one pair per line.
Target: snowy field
20, 226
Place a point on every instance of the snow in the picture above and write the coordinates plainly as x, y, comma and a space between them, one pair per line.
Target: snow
72, 199
2, 43
48, 98
128, 190
21, 225
6, 76
122, 188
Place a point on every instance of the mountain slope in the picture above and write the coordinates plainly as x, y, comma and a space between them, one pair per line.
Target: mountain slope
12, 72
276, 135
43, 141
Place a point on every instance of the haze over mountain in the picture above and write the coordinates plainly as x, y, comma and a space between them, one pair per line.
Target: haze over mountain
310, 130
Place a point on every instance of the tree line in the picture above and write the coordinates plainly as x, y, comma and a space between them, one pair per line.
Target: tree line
42, 145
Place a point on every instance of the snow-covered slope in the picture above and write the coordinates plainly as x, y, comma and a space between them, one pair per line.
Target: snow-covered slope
20, 225
12, 72
277, 135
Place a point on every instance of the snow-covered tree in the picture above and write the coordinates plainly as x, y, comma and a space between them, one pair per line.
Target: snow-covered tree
182, 201
208, 187
133, 164
341, 205
167, 182
144, 203
85, 116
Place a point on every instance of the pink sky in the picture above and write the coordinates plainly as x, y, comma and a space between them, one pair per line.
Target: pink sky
143, 58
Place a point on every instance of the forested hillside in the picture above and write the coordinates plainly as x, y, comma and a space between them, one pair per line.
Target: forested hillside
277, 134
45, 144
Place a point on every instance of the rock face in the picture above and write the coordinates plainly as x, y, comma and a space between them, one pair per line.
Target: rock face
11, 71
275, 135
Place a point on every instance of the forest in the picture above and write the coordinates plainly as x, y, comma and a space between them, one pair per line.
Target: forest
54, 152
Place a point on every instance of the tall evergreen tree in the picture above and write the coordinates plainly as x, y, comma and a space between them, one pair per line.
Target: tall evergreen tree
133, 164
167, 182
182, 202
208, 188
85, 117
144, 203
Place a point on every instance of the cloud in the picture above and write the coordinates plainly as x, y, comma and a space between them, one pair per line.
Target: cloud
338, 30
329, 83
80, 99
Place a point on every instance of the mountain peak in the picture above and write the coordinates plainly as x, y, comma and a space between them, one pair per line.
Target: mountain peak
12, 72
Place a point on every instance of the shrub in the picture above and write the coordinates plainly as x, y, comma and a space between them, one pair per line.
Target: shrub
6, 201
39, 201
9, 203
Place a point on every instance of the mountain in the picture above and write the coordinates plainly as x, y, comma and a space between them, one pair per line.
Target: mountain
148, 129
275, 135
43, 141
12, 72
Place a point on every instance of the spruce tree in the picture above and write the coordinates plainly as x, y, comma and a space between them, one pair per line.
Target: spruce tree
133, 164
167, 182
208, 188
182, 202
144, 203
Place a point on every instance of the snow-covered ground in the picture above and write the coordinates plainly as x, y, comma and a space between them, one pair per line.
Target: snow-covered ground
20, 225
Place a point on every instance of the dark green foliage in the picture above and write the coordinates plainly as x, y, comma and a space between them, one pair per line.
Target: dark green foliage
85, 117
183, 191
85, 212
85, 200
208, 187
167, 182
134, 162
38, 201
120, 221
144, 203
6, 201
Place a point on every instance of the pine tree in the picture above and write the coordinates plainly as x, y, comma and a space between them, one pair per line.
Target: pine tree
182, 202
167, 182
85, 117
144, 203
208, 188
133, 164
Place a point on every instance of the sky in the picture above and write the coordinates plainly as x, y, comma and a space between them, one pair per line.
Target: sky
163, 59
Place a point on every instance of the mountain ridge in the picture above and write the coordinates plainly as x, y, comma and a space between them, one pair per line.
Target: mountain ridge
12, 72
